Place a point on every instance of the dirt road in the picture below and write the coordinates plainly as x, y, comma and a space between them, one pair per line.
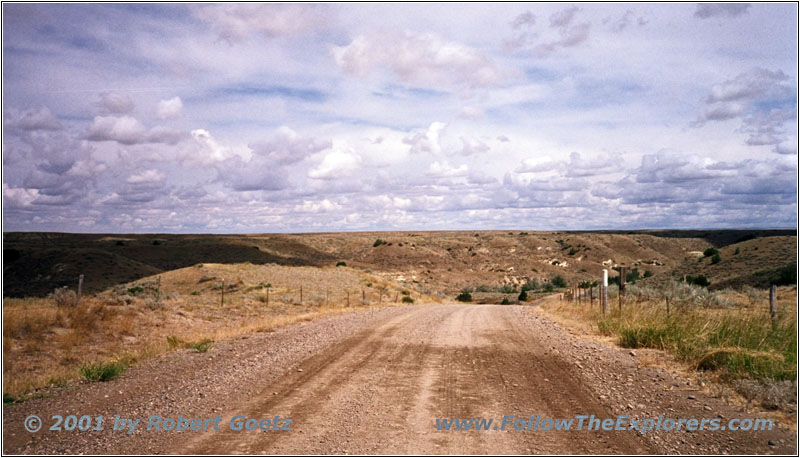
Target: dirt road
374, 382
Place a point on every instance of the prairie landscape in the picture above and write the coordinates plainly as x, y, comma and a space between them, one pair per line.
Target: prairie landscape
427, 228
151, 300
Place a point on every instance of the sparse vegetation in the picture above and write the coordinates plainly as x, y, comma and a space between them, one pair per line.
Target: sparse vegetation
341, 264
710, 251
378, 243
464, 296
558, 282
103, 371
726, 333
408, 299
65, 297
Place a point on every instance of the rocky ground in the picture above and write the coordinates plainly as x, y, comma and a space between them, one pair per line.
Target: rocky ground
375, 381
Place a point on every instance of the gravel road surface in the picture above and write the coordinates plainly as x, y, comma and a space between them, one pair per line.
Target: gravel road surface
375, 381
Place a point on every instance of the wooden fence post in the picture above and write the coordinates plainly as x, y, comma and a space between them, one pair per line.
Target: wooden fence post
80, 290
621, 286
301, 294
222, 292
773, 303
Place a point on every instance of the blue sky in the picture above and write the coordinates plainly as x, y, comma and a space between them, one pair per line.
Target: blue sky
231, 118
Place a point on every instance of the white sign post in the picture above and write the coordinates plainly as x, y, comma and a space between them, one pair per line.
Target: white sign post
605, 290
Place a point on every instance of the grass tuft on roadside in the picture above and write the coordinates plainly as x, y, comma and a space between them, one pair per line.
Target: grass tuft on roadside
736, 342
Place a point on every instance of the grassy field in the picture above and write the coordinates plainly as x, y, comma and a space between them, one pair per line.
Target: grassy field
45, 345
728, 335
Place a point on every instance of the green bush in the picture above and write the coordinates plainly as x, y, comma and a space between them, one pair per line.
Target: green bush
558, 282
133, 291
699, 280
523, 296
505, 301
465, 296
341, 264
378, 243
716, 259
408, 300
530, 285
101, 372
710, 251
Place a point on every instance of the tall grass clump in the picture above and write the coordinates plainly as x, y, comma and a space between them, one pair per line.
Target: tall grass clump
711, 333
103, 371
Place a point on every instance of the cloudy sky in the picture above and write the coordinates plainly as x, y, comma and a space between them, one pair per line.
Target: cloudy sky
336, 117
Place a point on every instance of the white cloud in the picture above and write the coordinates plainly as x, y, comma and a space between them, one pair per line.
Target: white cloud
31, 120
129, 131
445, 170
473, 146
210, 150
170, 108
286, 146
322, 206
18, 197
426, 142
236, 21
336, 164
148, 176
418, 58
115, 103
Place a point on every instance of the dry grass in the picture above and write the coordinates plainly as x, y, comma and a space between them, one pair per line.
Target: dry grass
733, 340
46, 345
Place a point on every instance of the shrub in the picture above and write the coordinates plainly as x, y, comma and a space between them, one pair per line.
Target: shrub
716, 259
505, 301
710, 251
647, 274
506, 289
134, 290
378, 243
156, 242
523, 296
408, 300
65, 297
558, 282
201, 346
530, 285
737, 250
548, 288
572, 251
341, 264
465, 296
699, 280
101, 372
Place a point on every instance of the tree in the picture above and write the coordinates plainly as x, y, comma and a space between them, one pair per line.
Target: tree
523, 296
